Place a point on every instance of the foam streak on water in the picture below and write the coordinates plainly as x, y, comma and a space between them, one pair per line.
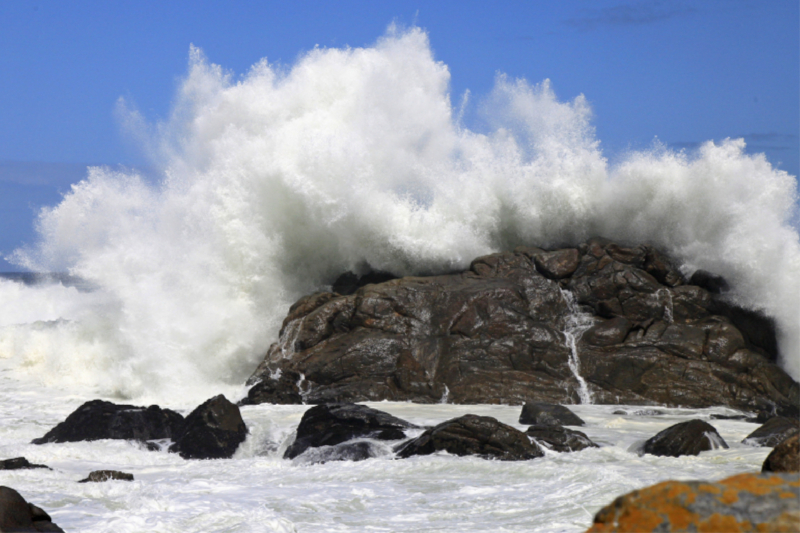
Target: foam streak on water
273, 183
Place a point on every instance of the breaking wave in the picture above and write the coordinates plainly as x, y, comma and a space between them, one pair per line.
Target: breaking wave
272, 183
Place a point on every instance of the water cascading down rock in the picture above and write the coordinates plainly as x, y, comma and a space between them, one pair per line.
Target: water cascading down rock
506, 331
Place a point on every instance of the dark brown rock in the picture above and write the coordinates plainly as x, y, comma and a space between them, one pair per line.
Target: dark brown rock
773, 431
473, 435
547, 414
560, 439
496, 334
331, 424
212, 431
98, 419
686, 438
19, 516
743, 503
710, 282
19, 463
98, 476
785, 457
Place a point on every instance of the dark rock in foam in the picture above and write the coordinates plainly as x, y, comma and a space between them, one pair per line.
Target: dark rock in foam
494, 334
19, 516
483, 436
331, 424
19, 463
98, 419
773, 431
546, 414
686, 438
98, 476
560, 439
214, 430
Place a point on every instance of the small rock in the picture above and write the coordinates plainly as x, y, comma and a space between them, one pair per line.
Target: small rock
785, 457
212, 431
19, 516
99, 476
19, 463
483, 436
746, 502
558, 264
773, 431
560, 439
331, 424
548, 414
347, 451
99, 419
686, 438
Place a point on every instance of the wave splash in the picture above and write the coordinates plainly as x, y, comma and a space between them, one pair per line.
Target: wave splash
273, 183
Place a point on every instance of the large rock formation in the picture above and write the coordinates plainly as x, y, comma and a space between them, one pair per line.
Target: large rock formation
19, 516
747, 502
506, 330
686, 438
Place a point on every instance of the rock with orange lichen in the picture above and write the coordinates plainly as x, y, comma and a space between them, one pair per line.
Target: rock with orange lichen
742, 503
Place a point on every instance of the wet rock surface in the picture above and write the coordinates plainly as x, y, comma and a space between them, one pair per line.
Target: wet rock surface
98, 419
743, 503
686, 438
214, 430
560, 439
98, 476
332, 424
19, 463
473, 435
773, 432
497, 333
785, 457
348, 451
19, 516
547, 414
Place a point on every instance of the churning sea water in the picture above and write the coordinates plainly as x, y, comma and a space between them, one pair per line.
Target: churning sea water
271, 184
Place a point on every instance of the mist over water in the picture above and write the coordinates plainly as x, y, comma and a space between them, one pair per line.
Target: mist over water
274, 182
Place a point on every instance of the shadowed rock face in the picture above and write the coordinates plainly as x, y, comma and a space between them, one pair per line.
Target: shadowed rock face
747, 502
773, 431
19, 516
545, 414
212, 431
473, 435
496, 334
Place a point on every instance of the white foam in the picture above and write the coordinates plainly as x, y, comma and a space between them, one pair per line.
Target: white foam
274, 182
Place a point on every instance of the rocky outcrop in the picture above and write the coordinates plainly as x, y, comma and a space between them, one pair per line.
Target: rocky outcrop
743, 503
773, 431
560, 439
19, 463
686, 438
99, 419
332, 424
785, 457
547, 414
503, 332
483, 436
19, 516
212, 431
98, 476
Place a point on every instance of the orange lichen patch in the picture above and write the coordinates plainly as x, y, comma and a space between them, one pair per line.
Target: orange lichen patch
787, 495
730, 496
707, 487
718, 523
785, 523
752, 483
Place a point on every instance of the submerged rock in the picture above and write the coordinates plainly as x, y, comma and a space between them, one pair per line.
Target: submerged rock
483, 436
495, 333
560, 439
347, 451
686, 438
19, 516
212, 431
98, 476
785, 457
19, 463
746, 502
331, 424
98, 419
773, 431
547, 414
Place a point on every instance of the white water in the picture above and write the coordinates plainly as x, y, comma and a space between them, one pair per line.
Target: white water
577, 324
257, 491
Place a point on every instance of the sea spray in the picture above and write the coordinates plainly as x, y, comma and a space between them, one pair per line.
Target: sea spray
274, 183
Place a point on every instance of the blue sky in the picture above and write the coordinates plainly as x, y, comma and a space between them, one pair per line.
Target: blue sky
682, 71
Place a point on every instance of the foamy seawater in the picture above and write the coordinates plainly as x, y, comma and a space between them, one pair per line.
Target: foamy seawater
257, 490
